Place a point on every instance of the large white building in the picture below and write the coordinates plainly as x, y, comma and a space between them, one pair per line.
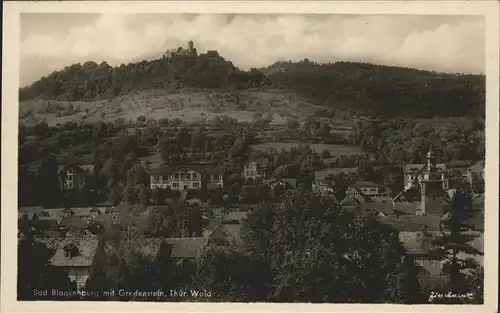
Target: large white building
187, 177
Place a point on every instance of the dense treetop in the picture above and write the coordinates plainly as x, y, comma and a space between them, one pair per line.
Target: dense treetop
361, 87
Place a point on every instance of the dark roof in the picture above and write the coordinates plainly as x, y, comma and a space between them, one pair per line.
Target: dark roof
407, 207
478, 167
52, 212
200, 168
364, 184
459, 164
73, 222
87, 248
29, 215
237, 216
380, 207
419, 167
30, 209
47, 223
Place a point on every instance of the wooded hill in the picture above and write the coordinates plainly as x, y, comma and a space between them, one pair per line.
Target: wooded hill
385, 90
360, 87
92, 81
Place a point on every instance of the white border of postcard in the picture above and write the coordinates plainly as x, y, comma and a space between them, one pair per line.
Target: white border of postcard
10, 62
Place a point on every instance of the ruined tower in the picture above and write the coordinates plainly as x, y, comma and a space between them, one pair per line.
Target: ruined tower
191, 47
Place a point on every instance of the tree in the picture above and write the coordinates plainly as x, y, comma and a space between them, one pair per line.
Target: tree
234, 192
49, 192
115, 195
317, 252
159, 196
41, 129
248, 194
177, 221
143, 196
141, 119
262, 192
454, 240
215, 195
230, 275
202, 193
35, 272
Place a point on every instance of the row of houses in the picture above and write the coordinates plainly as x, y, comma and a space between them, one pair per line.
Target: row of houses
77, 250
194, 176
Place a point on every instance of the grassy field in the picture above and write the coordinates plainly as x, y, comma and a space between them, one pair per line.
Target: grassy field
334, 149
187, 105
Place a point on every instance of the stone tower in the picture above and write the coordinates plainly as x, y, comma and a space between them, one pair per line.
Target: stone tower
431, 188
190, 47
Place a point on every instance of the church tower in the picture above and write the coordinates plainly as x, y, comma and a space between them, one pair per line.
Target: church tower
431, 188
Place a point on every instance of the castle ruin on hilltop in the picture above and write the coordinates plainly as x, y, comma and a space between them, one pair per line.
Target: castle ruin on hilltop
190, 51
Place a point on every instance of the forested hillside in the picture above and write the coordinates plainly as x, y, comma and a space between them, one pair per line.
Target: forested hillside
92, 81
385, 90
360, 87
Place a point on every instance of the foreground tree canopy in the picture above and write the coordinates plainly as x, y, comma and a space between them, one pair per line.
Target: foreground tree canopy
316, 252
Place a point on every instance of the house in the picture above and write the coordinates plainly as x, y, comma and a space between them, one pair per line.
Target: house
75, 255
458, 167
187, 177
256, 169
475, 174
30, 213
321, 177
72, 175
417, 234
364, 187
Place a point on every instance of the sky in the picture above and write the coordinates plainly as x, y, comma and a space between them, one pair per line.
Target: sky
452, 43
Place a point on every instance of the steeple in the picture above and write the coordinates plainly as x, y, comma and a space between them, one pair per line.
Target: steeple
431, 187
430, 170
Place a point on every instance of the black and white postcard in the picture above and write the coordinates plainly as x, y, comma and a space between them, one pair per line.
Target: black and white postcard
196, 156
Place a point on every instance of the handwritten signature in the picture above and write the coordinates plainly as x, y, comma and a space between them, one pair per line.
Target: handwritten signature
449, 295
